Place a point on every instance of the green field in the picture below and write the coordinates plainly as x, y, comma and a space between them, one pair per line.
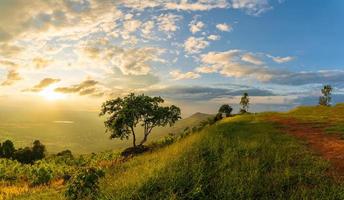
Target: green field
241, 157
80, 131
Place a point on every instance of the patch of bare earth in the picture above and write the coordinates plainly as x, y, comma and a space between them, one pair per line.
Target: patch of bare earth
330, 147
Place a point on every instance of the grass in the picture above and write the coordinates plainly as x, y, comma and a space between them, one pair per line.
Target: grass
243, 157
330, 119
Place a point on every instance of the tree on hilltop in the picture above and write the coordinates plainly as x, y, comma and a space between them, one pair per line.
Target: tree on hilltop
325, 99
226, 109
124, 114
244, 102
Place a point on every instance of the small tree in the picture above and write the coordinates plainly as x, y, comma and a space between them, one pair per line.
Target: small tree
244, 102
38, 150
124, 114
325, 99
226, 109
8, 149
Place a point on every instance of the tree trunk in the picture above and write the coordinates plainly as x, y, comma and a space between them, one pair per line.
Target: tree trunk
144, 139
134, 137
134, 140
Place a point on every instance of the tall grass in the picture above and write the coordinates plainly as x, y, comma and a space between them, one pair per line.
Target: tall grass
238, 158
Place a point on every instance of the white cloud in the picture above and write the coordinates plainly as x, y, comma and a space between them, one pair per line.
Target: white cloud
195, 45
206, 69
200, 5
220, 58
250, 58
278, 59
239, 70
147, 28
130, 61
196, 26
224, 27
131, 25
214, 37
252, 7
168, 23
136, 61
229, 64
178, 75
12, 77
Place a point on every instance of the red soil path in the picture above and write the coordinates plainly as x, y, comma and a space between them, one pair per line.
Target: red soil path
328, 146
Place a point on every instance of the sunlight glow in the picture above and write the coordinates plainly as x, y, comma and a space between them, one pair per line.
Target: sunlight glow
49, 94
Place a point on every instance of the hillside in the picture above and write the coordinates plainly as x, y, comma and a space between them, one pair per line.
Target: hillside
80, 131
241, 157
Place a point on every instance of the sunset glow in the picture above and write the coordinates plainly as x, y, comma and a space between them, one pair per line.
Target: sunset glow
194, 53
50, 95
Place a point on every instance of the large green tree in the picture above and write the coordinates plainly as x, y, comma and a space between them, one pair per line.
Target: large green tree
325, 99
124, 114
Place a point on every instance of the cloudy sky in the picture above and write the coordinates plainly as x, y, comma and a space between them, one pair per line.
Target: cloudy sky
197, 54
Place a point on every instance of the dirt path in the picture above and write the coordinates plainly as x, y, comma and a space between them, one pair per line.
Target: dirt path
328, 146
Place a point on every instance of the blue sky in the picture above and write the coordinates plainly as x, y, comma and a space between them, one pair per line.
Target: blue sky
195, 53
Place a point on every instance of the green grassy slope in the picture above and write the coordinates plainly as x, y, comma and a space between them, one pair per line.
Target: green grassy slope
79, 131
243, 157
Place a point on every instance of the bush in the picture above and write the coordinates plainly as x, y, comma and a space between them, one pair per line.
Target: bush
167, 140
218, 117
7, 149
65, 153
27, 155
24, 156
41, 176
38, 150
85, 185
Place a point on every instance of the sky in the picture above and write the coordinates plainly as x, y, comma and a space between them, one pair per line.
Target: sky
196, 54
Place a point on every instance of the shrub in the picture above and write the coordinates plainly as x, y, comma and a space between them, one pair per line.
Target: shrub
7, 149
167, 140
85, 185
24, 156
226, 109
41, 176
65, 154
218, 117
38, 150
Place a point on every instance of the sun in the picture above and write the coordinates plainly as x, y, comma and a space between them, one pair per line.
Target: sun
50, 94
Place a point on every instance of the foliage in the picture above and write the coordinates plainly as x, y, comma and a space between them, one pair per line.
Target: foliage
25, 155
65, 153
325, 99
85, 185
124, 114
225, 109
38, 150
244, 102
41, 176
218, 117
7, 149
